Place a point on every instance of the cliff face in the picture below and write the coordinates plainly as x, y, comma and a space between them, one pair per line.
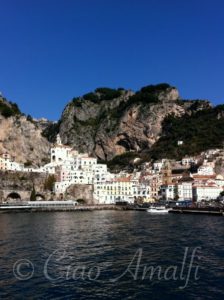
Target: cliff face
81, 191
130, 122
22, 184
105, 123
21, 136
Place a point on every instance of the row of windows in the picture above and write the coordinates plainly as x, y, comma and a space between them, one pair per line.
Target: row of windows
51, 205
143, 193
126, 193
104, 187
79, 181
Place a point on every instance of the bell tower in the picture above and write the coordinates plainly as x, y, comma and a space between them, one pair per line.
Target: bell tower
58, 140
167, 173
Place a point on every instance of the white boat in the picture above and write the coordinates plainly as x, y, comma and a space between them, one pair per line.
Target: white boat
158, 209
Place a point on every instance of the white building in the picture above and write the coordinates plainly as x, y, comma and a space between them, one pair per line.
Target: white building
141, 190
219, 181
168, 192
184, 187
76, 168
187, 161
77, 176
8, 164
157, 166
61, 186
48, 168
101, 173
206, 192
180, 190
60, 152
87, 162
205, 170
185, 191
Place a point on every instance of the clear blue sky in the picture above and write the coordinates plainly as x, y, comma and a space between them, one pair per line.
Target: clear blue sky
54, 50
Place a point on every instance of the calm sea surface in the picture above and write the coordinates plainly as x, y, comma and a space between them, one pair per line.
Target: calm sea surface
111, 255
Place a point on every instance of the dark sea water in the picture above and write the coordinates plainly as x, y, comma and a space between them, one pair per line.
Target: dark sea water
111, 255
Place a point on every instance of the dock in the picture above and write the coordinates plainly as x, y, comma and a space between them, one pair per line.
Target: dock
198, 211
76, 208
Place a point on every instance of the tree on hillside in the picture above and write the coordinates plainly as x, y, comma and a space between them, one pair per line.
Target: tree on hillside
49, 183
33, 194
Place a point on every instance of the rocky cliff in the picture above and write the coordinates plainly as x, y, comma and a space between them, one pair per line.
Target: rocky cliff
15, 185
108, 122
21, 136
111, 123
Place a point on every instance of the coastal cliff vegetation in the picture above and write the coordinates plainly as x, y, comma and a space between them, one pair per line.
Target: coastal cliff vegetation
119, 126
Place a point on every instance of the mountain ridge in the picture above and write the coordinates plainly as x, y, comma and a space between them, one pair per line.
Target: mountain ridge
111, 123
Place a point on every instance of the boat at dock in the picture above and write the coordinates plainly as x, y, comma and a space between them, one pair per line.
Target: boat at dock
158, 209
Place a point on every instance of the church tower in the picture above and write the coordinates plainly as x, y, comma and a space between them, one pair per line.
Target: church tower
58, 140
167, 173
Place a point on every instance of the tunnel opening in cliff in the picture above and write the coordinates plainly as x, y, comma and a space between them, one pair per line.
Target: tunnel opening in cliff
39, 197
13, 196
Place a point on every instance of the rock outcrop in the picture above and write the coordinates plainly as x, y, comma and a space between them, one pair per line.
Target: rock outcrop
106, 123
21, 136
22, 184
83, 192
131, 122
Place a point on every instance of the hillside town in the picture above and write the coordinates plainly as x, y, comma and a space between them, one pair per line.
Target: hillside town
192, 179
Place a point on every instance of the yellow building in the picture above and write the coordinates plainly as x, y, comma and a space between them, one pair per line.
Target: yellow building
118, 189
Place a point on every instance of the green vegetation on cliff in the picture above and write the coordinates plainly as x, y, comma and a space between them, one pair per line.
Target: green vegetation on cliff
8, 109
51, 131
146, 95
33, 194
121, 162
101, 94
49, 183
108, 93
199, 131
132, 122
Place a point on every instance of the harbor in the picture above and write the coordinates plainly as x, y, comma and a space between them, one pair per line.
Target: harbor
73, 206
212, 211
53, 206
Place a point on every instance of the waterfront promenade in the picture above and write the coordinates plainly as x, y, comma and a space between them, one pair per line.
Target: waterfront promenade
7, 208
26, 208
